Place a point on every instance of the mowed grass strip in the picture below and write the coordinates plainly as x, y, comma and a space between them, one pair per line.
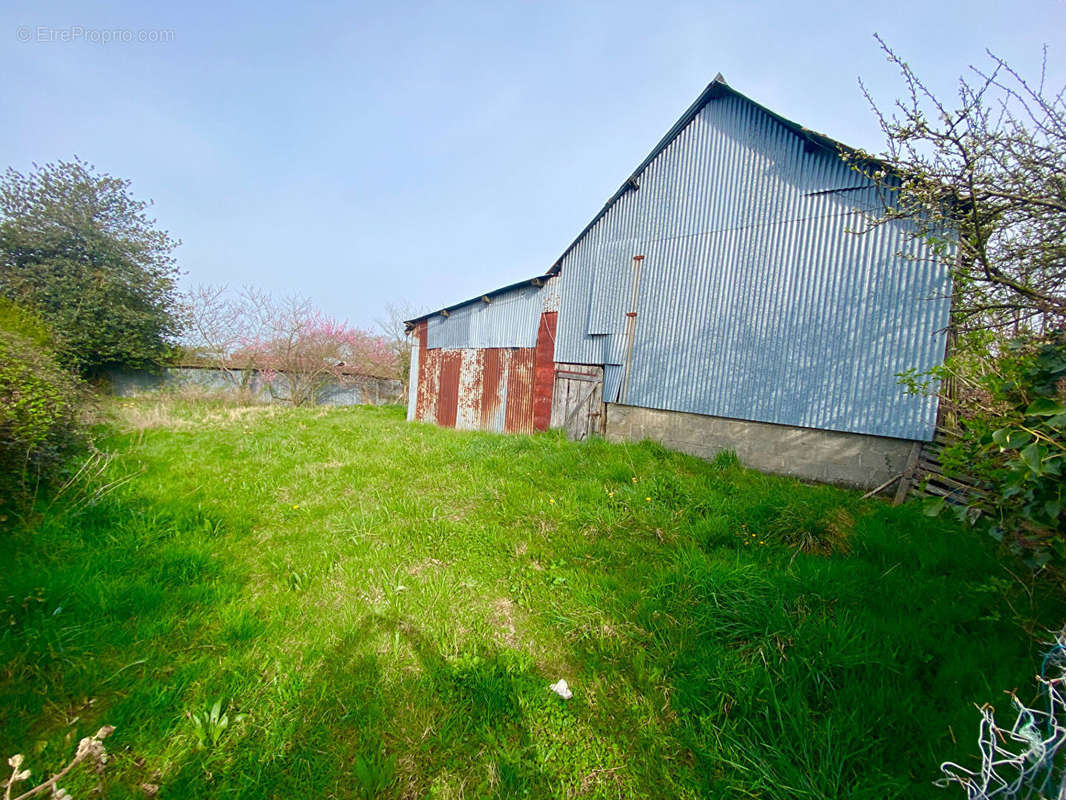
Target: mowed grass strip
379, 607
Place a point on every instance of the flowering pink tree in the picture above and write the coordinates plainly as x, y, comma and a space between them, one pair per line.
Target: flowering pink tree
290, 341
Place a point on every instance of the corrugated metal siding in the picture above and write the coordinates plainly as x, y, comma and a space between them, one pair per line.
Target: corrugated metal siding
496, 363
509, 320
428, 384
612, 382
448, 389
756, 299
549, 295
468, 415
519, 417
507, 390
544, 371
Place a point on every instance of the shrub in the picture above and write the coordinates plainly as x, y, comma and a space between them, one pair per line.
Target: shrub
1013, 441
38, 404
810, 528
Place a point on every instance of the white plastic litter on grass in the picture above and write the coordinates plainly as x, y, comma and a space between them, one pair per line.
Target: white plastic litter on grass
562, 689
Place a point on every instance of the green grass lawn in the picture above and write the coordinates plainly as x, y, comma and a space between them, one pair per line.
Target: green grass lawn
381, 606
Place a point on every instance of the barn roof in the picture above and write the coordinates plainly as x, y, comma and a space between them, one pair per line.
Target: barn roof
536, 280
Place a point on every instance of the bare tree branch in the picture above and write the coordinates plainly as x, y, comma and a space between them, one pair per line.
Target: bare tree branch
988, 176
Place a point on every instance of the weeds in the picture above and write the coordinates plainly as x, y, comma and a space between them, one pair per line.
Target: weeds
373, 774
208, 725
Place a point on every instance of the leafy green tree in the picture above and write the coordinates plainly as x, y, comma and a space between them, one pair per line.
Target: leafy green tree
76, 246
983, 177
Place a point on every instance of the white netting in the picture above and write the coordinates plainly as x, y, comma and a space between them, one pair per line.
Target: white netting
1023, 762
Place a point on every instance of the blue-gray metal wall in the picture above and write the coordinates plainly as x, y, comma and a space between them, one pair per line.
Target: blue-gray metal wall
756, 299
508, 320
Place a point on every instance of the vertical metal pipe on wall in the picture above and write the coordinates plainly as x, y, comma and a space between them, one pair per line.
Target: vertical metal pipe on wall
631, 325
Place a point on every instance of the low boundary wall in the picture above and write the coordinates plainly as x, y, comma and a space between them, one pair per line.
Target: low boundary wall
349, 390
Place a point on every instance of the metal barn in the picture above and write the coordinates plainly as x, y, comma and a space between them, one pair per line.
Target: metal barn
720, 299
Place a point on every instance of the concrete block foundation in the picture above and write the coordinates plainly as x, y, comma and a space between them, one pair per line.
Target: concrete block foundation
847, 459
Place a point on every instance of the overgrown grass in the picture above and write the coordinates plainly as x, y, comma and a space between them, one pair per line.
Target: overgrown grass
380, 607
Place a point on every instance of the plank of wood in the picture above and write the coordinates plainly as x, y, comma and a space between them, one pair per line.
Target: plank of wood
882, 487
908, 474
931, 488
933, 468
965, 488
578, 406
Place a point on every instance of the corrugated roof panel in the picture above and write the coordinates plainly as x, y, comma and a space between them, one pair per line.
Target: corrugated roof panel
508, 320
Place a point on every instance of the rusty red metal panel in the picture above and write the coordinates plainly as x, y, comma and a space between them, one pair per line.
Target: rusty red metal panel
448, 389
493, 370
491, 388
544, 371
519, 417
429, 370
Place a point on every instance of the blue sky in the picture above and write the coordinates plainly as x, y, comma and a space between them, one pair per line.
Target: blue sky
363, 154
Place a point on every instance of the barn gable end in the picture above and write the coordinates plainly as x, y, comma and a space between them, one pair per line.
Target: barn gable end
722, 298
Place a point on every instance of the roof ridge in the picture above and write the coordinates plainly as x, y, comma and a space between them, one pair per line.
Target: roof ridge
716, 88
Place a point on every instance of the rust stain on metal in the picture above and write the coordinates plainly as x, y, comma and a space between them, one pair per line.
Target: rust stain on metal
519, 417
426, 397
420, 378
468, 416
493, 370
427, 392
501, 389
448, 388
543, 371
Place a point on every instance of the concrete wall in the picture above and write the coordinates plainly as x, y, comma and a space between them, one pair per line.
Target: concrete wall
848, 459
351, 390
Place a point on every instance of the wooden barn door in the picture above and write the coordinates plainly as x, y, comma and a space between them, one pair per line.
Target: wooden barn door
577, 400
